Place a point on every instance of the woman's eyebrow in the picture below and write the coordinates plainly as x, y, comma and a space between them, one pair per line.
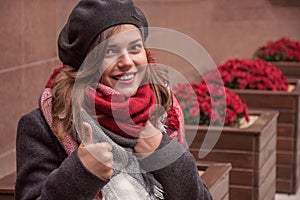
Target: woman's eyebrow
135, 41
112, 46
132, 42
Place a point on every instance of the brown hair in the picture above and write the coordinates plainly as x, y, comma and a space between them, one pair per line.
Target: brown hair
68, 110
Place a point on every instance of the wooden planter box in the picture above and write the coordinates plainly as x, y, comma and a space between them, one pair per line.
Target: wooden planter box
290, 69
7, 187
288, 141
251, 152
216, 178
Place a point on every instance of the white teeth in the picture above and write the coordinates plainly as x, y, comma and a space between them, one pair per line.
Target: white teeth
126, 77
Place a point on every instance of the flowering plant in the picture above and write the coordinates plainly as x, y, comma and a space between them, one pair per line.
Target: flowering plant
218, 107
282, 49
249, 74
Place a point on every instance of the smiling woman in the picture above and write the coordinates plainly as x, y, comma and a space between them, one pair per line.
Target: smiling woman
107, 122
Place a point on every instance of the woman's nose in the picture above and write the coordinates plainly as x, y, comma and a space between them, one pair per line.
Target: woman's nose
125, 61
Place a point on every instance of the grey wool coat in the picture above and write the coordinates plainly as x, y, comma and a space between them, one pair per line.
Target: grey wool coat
45, 171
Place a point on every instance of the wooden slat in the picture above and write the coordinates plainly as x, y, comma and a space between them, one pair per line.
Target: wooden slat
285, 144
284, 186
268, 184
267, 134
6, 197
236, 158
216, 177
7, 184
285, 130
287, 116
285, 158
238, 192
226, 197
289, 69
258, 99
225, 141
285, 172
270, 194
264, 172
242, 177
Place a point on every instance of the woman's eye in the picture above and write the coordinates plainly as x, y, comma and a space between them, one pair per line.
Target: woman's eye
136, 48
109, 51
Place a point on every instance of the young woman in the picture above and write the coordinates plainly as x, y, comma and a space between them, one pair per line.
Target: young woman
108, 126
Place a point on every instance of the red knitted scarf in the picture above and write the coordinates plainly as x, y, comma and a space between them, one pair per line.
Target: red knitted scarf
124, 116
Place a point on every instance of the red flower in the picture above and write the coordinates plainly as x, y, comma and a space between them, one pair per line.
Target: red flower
231, 116
282, 49
150, 57
215, 105
249, 74
194, 111
206, 108
214, 116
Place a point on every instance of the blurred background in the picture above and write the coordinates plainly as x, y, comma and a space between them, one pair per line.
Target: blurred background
28, 45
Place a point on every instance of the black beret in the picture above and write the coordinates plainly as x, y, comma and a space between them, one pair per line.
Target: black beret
88, 19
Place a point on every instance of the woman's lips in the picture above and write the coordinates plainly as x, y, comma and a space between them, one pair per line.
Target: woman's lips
125, 78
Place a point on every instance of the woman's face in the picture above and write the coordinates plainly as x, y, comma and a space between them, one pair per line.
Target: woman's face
125, 61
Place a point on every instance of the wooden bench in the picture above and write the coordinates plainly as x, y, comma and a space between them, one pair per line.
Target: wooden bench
216, 178
7, 187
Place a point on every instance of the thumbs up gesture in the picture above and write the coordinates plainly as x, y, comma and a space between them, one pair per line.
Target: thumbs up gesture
98, 157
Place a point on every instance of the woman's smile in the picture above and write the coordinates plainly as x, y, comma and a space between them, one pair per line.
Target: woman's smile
125, 77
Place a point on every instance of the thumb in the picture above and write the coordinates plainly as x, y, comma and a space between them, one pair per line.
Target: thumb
87, 136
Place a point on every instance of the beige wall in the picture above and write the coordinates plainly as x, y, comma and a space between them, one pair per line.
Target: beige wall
28, 32
28, 49
226, 28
